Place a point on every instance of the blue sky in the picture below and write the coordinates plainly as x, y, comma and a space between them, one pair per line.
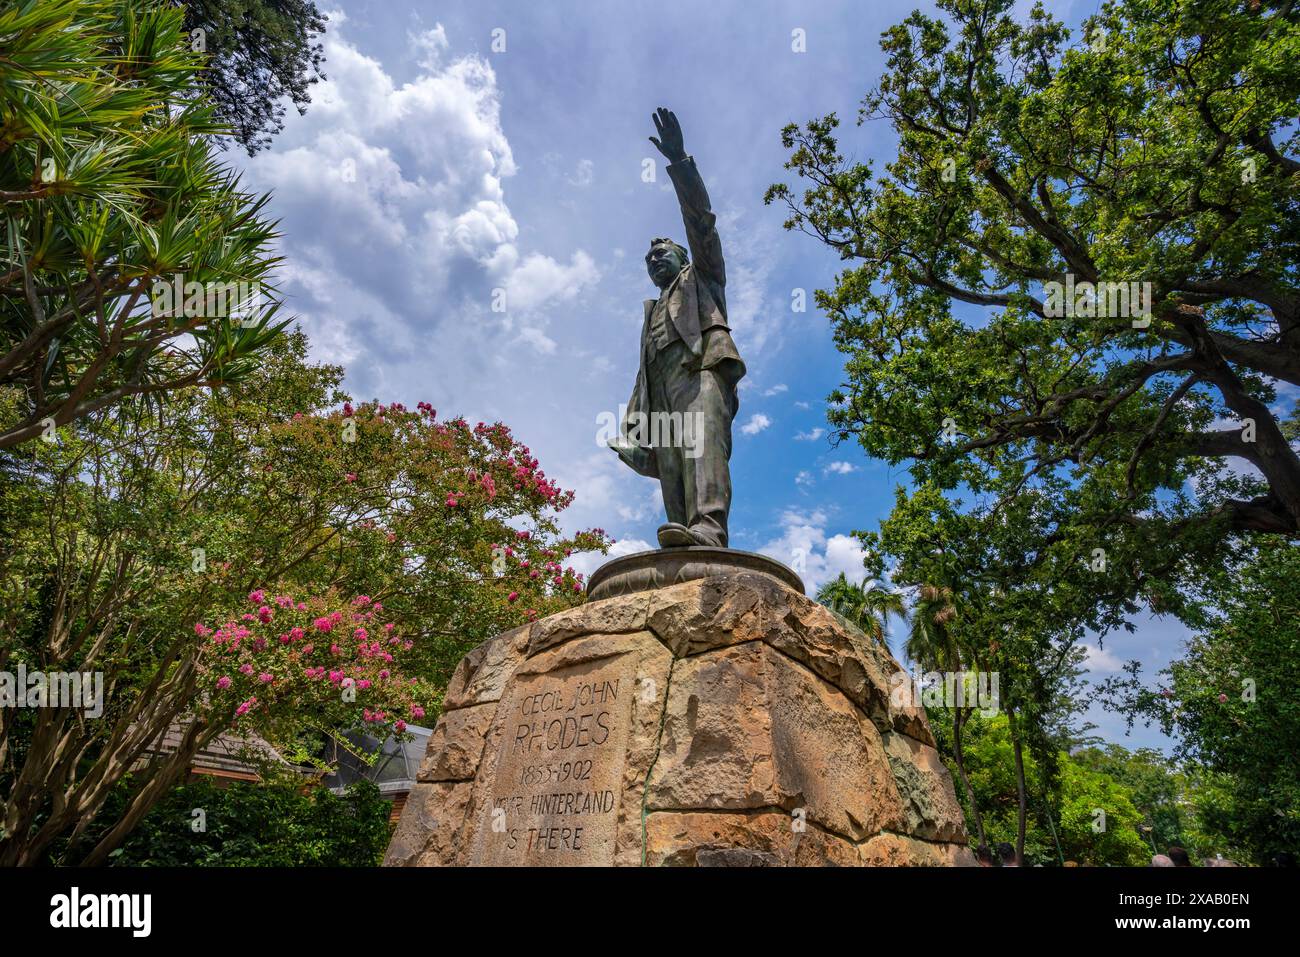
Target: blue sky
434, 168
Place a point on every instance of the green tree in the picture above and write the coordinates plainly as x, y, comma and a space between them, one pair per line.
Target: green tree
1230, 705
1157, 149
933, 643
261, 53
109, 186
138, 536
1066, 815
270, 824
865, 605
1160, 791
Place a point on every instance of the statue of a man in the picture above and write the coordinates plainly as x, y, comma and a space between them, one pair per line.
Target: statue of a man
677, 427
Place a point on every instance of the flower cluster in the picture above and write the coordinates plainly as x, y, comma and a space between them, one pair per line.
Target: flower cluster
321, 660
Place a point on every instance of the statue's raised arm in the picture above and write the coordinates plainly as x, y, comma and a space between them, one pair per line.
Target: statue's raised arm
697, 215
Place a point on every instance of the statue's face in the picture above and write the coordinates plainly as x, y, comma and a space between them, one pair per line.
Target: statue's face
663, 263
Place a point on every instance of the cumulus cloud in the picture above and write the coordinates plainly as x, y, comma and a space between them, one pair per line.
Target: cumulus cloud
818, 557
776, 390
756, 424
840, 468
812, 435
395, 215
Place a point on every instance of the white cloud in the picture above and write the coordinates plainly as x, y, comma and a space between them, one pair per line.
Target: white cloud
1100, 660
840, 468
812, 435
776, 390
587, 562
756, 424
584, 173
396, 221
803, 478
816, 556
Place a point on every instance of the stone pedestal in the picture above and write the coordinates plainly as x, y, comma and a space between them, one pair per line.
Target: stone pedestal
725, 720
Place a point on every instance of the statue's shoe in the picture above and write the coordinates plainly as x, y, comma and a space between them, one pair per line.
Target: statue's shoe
673, 535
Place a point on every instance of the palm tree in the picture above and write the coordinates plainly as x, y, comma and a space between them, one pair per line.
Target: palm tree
865, 606
933, 643
113, 193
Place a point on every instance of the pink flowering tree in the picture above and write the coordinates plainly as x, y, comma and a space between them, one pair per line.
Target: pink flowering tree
135, 527
285, 665
453, 528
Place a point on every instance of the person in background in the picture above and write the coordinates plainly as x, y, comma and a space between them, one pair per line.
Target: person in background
1179, 857
1161, 860
1008, 855
984, 856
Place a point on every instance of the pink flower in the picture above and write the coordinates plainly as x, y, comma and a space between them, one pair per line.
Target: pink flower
295, 633
363, 684
388, 627
347, 409
264, 614
417, 712
246, 668
1223, 699
334, 649
257, 597
284, 601
384, 674
223, 682
351, 477
201, 629
308, 649
400, 726
360, 634
512, 596
245, 707
361, 601
302, 606
451, 500
336, 676
265, 677
322, 624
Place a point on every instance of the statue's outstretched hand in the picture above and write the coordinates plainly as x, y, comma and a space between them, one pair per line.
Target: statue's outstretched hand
670, 135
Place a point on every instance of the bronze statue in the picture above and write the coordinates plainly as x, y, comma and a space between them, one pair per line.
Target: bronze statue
677, 425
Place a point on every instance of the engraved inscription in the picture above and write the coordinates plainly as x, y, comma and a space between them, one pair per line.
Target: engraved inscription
556, 793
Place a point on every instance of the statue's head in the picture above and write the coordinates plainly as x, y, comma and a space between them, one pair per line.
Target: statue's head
664, 261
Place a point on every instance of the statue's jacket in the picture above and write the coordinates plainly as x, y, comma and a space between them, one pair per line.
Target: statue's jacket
697, 308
